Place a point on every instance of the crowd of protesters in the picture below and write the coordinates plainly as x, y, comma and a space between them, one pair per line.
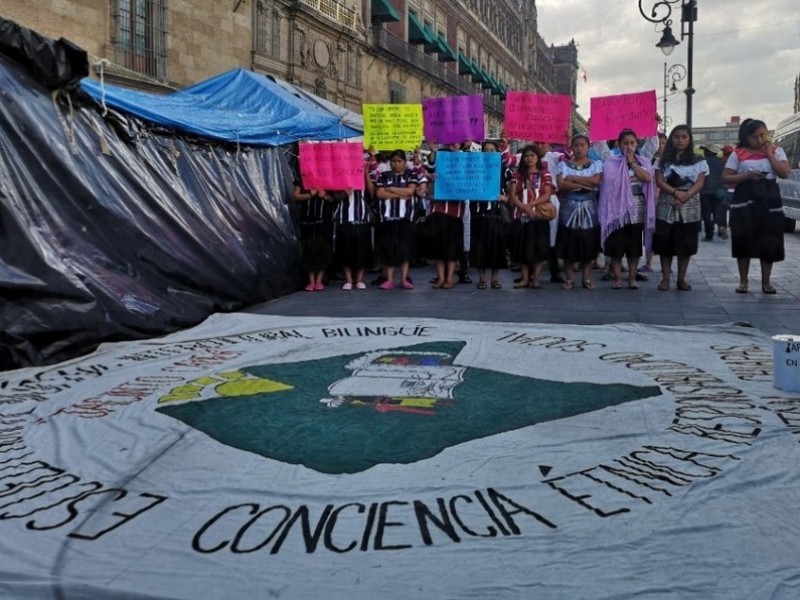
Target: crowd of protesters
628, 199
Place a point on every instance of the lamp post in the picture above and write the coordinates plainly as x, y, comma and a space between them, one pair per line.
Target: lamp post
674, 74
660, 13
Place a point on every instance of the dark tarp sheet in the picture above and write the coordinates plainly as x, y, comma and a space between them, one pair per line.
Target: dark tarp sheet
238, 106
110, 229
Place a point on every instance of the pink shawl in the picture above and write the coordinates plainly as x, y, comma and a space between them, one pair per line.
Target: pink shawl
617, 207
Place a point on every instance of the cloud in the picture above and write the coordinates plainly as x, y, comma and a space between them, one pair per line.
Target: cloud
746, 58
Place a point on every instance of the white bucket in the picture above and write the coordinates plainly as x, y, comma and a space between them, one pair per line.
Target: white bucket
786, 357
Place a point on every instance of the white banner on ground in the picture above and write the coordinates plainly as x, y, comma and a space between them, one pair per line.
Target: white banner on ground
255, 457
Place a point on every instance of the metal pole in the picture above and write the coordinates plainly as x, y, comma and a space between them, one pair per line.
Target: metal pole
689, 14
665, 97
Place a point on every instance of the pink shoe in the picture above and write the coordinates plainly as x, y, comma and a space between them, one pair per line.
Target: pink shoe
360, 285
309, 287
387, 285
318, 287
407, 285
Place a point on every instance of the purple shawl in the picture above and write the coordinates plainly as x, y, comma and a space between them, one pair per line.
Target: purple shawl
616, 199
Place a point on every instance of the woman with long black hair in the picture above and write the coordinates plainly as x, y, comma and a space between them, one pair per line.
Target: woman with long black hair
756, 211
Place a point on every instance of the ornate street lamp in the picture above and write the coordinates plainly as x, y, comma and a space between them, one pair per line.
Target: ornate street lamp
660, 13
672, 75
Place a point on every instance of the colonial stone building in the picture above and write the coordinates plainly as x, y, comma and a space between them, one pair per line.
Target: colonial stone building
350, 52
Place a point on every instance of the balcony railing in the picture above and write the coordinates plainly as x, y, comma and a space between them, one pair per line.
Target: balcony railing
410, 54
336, 11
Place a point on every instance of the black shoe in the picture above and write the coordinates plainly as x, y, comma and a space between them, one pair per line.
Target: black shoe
640, 277
557, 279
465, 278
378, 280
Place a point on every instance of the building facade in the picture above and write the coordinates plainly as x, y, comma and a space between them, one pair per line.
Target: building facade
350, 52
724, 135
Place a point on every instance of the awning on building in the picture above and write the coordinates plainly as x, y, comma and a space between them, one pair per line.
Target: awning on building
383, 12
417, 32
446, 53
464, 66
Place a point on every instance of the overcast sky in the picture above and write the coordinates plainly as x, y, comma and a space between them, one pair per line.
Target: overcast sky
746, 55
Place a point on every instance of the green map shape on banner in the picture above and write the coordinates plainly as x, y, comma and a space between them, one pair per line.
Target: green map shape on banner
294, 426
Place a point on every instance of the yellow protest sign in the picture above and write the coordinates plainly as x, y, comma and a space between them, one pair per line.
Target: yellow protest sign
392, 126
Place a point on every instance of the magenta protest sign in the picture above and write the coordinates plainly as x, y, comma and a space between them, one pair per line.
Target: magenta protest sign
453, 119
332, 165
612, 114
538, 117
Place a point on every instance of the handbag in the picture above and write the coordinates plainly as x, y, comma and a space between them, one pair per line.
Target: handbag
545, 211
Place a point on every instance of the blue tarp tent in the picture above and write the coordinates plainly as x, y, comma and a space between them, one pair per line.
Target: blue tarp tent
237, 106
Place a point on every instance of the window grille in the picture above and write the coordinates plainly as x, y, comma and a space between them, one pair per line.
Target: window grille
139, 36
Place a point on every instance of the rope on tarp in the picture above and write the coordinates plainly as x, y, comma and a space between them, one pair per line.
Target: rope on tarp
100, 65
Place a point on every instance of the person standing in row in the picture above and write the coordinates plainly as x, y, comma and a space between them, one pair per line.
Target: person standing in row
530, 187
447, 237
712, 196
316, 233
487, 244
578, 239
626, 208
680, 176
756, 211
395, 190
353, 236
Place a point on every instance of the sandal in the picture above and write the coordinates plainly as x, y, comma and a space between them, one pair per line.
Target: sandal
535, 285
568, 285
448, 285
768, 289
683, 286
742, 288
663, 286
481, 285
496, 285
588, 284
521, 285
617, 285
632, 285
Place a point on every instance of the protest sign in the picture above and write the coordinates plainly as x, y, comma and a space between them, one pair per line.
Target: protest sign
392, 126
453, 119
612, 114
467, 176
332, 165
538, 117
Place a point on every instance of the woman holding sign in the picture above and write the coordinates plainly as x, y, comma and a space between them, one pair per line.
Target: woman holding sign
395, 190
529, 189
578, 239
680, 175
487, 247
316, 233
627, 208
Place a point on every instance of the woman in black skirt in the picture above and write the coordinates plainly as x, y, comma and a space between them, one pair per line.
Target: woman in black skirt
316, 233
756, 211
487, 244
680, 175
353, 237
578, 239
531, 186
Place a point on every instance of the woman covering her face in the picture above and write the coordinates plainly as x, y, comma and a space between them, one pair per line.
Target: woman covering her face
756, 211
626, 208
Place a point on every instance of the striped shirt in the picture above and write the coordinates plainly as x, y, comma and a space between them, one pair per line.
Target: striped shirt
352, 209
396, 208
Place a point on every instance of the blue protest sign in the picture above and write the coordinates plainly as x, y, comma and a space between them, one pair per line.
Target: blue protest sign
467, 176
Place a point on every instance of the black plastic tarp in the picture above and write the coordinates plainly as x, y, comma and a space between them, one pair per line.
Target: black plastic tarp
112, 230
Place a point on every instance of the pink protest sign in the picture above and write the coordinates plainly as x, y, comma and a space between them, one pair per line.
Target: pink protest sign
538, 117
612, 114
332, 165
453, 119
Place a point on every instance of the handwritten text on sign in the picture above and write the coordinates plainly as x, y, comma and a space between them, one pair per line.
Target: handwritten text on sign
453, 119
538, 117
467, 176
332, 165
612, 114
392, 126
